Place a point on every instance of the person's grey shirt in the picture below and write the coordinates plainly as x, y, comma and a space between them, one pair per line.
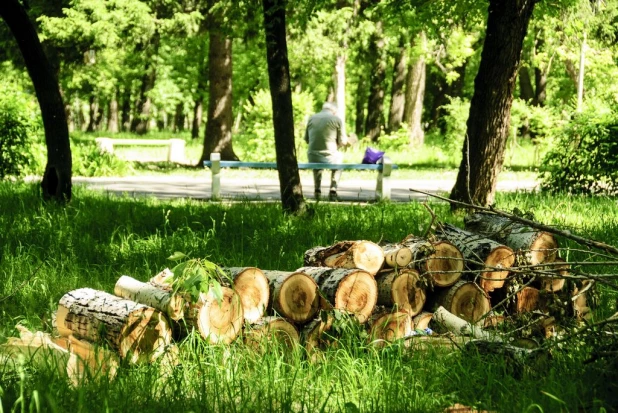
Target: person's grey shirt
324, 136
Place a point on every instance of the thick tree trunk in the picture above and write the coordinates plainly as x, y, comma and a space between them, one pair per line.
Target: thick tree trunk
99, 116
398, 98
364, 255
197, 119
56, 182
141, 120
375, 105
490, 108
486, 256
179, 118
283, 115
351, 290
267, 329
390, 327
253, 287
464, 299
401, 290
532, 246
415, 97
112, 119
125, 112
137, 332
293, 295
165, 301
92, 114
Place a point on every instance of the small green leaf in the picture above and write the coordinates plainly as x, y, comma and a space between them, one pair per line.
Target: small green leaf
176, 256
217, 291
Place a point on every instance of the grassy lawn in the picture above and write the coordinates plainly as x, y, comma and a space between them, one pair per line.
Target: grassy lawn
47, 250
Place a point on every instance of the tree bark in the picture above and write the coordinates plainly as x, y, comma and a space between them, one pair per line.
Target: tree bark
165, 301
112, 119
490, 108
179, 118
415, 97
375, 105
197, 119
364, 255
395, 116
283, 115
361, 99
141, 120
293, 295
92, 114
401, 290
526, 91
56, 183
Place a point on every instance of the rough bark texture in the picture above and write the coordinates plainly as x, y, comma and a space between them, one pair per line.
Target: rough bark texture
481, 254
253, 288
398, 98
148, 294
351, 290
464, 299
311, 334
390, 326
56, 184
196, 123
220, 119
293, 295
137, 332
401, 290
415, 97
364, 255
375, 105
283, 117
490, 108
532, 246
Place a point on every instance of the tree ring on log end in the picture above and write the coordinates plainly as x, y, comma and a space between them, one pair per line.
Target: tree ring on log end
500, 257
408, 296
468, 301
543, 249
252, 287
446, 264
298, 297
221, 321
357, 293
391, 326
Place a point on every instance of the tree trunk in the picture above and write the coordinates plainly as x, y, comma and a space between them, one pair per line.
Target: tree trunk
351, 290
464, 299
532, 246
253, 287
56, 182
92, 114
141, 120
293, 295
540, 91
179, 118
390, 326
271, 328
137, 332
525, 85
283, 115
490, 108
364, 255
340, 89
415, 97
99, 115
395, 116
112, 120
125, 116
375, 105
481, 254
197, 119
165, 301
68, 111
361, 99
401, 290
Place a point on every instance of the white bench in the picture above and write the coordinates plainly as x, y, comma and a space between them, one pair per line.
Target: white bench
384, 169
175, 152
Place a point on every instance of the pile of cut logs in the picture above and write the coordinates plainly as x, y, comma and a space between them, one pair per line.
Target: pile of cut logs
470, 280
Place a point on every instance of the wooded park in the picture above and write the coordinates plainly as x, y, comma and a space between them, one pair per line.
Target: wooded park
474, 300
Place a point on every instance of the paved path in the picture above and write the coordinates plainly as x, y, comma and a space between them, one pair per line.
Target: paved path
350, 190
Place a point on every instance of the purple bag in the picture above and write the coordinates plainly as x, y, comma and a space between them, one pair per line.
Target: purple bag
372, 155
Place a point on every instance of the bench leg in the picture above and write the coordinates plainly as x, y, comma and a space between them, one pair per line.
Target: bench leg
215, 170
383, 186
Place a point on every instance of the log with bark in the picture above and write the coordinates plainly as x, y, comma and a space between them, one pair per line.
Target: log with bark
147, 293
311, 334
556, 283
461, 326
351, 290
253, 288
390, 326
271, 328
137, 332
401, 289
482, 254
465, 299
364, 255
581, 307
293, 295
534, 246
422, 320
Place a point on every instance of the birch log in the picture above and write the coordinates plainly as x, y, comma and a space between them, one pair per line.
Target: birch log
351, 290
253, 288
364, 255
464, 299
461, 327
535, 247
138, 333
147, 293
482, 254
401, 289
293, 295
272, 328
391, 326
311, 333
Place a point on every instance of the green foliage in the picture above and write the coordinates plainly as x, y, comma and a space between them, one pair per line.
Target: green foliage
584, 159
457, 111
17, 132
88, 160
196, 276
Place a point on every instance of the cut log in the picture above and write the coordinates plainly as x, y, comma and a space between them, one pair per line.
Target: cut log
146, 293
391, 326
401, 290
311, 333
527, 299
536, 247
553, 284
272, 328
464, 299
462, 327
445, 265
252, 287
364, 255
494, 320
480, 253
163, 278
137, 332
580, 301
293, 295
422, 320
217, 321
396, 255
351, 290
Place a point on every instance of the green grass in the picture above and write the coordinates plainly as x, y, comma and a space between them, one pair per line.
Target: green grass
47, 250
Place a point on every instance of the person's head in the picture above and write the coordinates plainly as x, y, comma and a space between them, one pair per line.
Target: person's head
330, 106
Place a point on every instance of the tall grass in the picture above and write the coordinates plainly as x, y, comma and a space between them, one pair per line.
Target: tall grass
47, 250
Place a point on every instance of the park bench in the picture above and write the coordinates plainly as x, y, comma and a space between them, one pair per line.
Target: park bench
175, 152
384, 169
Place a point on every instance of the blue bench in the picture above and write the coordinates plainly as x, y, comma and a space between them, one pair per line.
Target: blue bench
384, 169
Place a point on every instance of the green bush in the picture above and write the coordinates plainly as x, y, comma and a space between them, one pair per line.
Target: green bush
88, 160
457, 111
584, 159
17, 128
